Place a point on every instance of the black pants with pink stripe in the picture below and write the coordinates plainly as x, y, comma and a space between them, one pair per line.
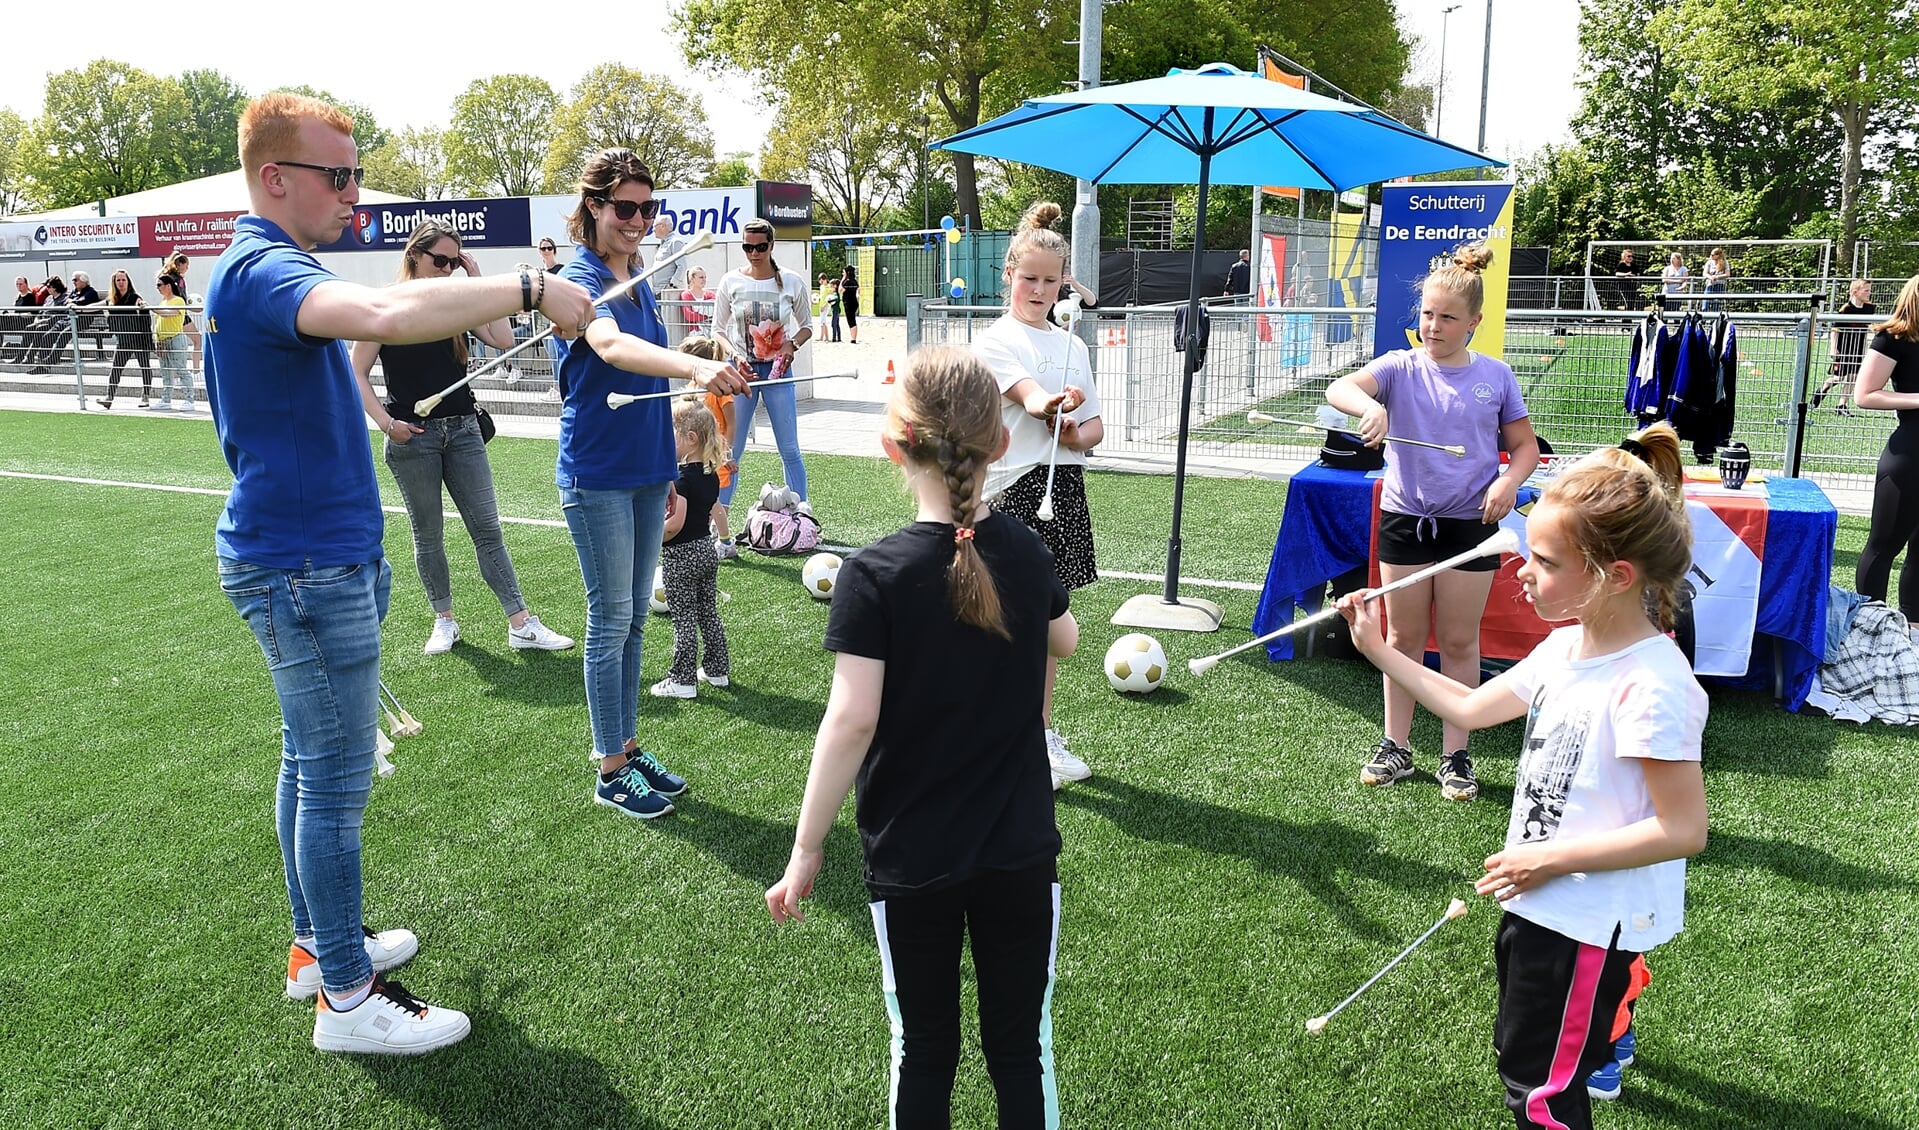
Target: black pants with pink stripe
1557, 1000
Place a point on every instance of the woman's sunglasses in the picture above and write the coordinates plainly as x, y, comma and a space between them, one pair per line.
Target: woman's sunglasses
340, 173
754, 248
626, 209
442, 262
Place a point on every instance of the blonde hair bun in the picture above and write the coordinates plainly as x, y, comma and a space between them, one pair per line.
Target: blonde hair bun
1474, 257
1041, 216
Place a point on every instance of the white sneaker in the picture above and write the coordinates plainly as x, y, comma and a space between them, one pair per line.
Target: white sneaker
714, 680
388, 949
390, 1021
551, 395
725, 548
667, 688
534, 634
446, 633
1066, 767
512, 375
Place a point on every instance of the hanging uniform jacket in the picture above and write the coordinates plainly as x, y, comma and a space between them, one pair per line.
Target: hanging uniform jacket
1642, 378
1726, 362
1694, 388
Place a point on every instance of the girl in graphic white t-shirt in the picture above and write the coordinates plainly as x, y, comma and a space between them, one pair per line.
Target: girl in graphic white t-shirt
1046, 382
1608, 800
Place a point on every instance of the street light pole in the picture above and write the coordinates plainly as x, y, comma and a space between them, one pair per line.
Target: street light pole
1439, 99
1485, 74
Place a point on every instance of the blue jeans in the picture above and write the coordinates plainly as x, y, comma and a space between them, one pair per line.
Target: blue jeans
555, 353
451, 451
173, 366
617, 535
783, 413
320, 631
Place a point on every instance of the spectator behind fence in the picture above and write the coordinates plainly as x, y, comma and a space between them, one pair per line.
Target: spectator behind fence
1717, 273
555, 346
1239, 276
49, 330
132, 337
19, 322
1626, 286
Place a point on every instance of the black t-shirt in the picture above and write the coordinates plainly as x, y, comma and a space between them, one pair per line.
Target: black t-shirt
699, 488
415, 372
1852, 339
956, 781
1905, 371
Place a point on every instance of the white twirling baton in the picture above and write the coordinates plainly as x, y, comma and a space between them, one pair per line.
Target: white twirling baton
424, 407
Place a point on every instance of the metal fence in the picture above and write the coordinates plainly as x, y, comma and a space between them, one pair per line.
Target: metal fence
1571, 365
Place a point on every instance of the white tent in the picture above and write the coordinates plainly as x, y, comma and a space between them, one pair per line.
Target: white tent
222, 192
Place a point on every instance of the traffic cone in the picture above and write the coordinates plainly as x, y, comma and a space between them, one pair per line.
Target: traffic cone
889, 373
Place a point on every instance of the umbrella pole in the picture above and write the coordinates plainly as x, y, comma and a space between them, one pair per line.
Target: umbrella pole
1168, 610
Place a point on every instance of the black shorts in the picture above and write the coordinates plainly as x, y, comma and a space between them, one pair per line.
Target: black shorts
1406, 540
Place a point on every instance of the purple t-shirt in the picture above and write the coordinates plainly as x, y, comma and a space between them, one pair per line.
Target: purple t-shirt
1464, 405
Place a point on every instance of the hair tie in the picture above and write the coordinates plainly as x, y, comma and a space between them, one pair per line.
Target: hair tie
962, 534
1633, 447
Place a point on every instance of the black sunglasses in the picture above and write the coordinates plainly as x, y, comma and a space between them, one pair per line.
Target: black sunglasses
442, 262
754, 248
340, 173
625, 209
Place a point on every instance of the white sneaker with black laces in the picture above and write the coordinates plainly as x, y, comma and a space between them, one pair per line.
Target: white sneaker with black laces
390, 1021
446, 633
1065, 766
538, 636
388, 949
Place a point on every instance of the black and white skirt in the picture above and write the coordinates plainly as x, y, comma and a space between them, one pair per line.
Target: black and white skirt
1070, 534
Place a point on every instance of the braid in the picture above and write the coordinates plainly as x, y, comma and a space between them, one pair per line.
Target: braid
945, 417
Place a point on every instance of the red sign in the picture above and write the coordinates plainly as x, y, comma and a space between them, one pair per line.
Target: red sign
202, 233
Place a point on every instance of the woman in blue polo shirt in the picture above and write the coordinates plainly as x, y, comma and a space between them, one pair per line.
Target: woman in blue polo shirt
616, 469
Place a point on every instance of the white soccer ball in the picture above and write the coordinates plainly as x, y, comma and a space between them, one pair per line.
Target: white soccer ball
820, 574
657, 602
1135, 664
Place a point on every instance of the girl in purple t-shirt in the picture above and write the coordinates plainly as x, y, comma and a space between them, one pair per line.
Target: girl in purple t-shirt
1436, 505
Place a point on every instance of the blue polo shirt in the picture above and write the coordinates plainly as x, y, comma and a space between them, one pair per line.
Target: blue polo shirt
602, 448
287, 412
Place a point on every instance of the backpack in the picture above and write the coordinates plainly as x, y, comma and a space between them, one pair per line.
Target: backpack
779, 523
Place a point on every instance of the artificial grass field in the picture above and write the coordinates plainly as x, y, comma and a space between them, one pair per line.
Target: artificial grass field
1225, 876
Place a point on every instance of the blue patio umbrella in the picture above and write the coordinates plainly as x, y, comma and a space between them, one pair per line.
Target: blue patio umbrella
1212, 125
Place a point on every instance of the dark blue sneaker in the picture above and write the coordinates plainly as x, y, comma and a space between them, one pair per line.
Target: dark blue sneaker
629, 792
1623, 1049
1604, 1083
662, 782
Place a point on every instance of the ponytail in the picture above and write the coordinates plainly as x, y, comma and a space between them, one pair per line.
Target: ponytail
1628, 503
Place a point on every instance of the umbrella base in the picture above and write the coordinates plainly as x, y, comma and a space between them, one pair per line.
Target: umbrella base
1150, 610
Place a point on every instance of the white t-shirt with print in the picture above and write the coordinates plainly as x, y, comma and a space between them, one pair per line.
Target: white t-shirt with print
1053, 359
1589, 723
742, 302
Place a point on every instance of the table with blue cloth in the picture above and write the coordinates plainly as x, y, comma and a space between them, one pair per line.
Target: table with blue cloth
1326, 530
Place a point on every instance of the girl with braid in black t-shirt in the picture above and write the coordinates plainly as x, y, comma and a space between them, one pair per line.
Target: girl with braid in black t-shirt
942, 632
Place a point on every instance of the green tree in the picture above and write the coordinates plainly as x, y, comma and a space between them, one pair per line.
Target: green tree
977, 58
857, 163
1854, 63
615, 105
210, 137
413, 163
497, 141
16, 190
367, 134
731, 170
108, 129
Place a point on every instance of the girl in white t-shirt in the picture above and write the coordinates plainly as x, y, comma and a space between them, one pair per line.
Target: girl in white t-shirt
1608, 799
1046, 380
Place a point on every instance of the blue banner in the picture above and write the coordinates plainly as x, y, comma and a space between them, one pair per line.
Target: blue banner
1419, 227
497, 222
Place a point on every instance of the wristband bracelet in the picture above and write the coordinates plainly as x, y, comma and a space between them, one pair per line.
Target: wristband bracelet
526, 288
540, 296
